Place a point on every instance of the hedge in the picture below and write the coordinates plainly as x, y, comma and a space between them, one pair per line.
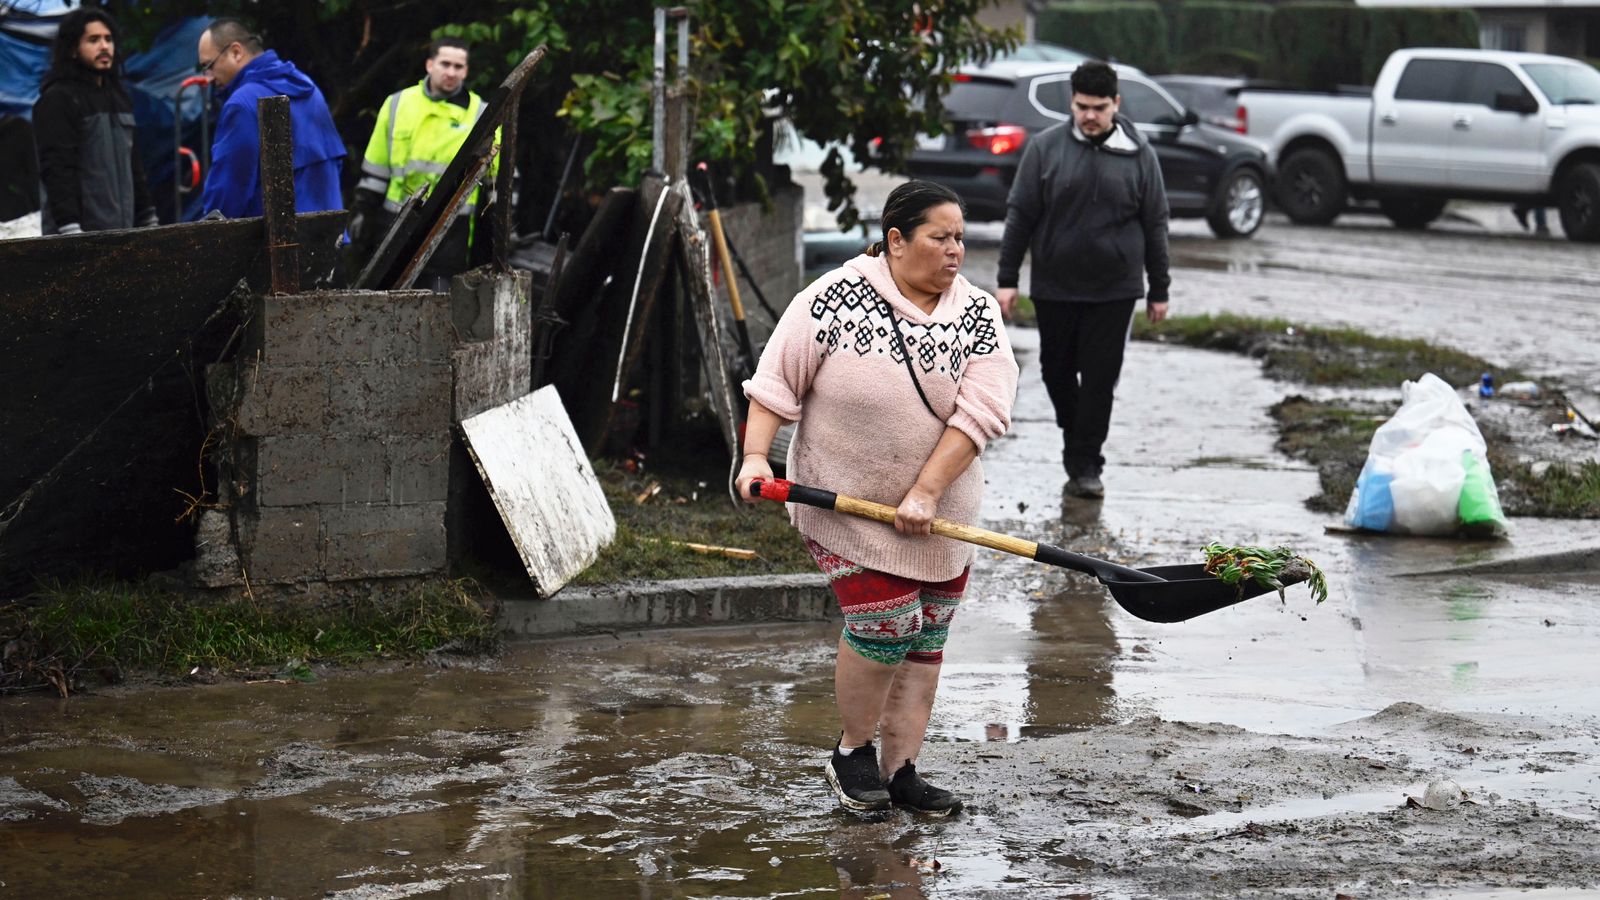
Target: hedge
1318, 45
1212, 25
1389, 30
1134, 33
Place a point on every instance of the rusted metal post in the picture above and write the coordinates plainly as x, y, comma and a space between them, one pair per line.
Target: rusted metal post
277, 192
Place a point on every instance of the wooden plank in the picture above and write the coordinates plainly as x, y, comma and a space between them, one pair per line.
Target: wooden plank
277, 192
694, 253
542, 485
104, 337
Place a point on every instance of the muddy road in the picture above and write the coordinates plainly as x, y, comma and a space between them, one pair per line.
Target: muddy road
1264, 750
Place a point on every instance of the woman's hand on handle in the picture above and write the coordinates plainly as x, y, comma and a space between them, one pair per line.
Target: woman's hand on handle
914, 515
754, 466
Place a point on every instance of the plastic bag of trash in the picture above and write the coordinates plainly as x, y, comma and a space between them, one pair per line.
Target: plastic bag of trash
1427, 470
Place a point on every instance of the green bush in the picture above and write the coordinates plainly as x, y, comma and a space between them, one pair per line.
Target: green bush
1134, 33
1245, 63
1389, 30
1219, 34
1316, 45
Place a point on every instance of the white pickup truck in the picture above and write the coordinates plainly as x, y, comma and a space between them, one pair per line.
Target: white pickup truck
1439, 124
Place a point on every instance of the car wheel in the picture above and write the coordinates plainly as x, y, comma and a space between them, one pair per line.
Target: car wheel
1311, 187
1239, 205
1578, 197
1411, 213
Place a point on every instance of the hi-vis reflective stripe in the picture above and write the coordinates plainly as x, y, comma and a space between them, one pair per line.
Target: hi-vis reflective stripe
376, 185
375, 170
394, 110
420, 165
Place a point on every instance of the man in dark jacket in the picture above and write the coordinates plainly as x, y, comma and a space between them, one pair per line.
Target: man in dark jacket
1089, 202
89, 169
244, 72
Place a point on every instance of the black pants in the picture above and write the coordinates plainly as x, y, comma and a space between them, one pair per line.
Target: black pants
1080, 356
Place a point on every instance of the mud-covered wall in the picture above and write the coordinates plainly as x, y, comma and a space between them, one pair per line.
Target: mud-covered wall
338, 458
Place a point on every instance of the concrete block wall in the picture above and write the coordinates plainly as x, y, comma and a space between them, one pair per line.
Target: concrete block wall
771, 242
339, 459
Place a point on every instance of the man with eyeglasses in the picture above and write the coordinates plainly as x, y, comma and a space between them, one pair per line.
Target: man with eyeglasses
88, 165
243, 72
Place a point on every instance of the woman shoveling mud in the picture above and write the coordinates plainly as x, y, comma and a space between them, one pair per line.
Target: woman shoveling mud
899, 373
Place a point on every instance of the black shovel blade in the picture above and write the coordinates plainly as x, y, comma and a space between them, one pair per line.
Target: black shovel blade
1188, 591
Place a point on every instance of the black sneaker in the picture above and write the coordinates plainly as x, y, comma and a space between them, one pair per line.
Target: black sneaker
1086, 484
907, 789
856, 780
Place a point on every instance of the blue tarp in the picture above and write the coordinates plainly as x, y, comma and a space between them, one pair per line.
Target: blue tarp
26, 30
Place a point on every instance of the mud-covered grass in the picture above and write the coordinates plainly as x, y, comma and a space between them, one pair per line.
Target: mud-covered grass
68, 634
1334, 435
689, 508
1339, 357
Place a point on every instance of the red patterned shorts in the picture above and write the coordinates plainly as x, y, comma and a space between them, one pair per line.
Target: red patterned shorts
888, 618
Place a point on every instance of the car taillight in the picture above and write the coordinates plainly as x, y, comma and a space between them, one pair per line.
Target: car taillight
1241, 120
999, 140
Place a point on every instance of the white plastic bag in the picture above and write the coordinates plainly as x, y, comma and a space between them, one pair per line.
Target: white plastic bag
1427, 470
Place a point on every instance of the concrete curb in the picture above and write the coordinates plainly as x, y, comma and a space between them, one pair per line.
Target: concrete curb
672, 604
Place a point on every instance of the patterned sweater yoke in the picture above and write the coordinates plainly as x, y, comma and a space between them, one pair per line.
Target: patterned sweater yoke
834, 364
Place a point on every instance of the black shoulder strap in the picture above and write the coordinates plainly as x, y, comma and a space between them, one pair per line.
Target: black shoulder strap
905, 352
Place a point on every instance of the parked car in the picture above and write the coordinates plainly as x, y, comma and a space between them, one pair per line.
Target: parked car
1215, 98
1440, 124
1039, 51
993, 110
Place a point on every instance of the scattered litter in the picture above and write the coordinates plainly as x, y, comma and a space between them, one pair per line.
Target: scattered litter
647, 493
709, 549
931, 865
1442, 794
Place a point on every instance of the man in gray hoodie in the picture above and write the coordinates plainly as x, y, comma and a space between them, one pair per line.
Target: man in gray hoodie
1089, 202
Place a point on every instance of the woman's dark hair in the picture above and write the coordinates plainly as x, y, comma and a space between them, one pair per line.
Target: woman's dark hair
907, 207
1095, 78
64, 52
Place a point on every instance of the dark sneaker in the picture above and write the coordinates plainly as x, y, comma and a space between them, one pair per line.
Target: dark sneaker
1086, 484
856, 780
907, 789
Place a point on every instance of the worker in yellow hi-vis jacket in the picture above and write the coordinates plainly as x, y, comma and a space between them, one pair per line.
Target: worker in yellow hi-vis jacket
418, 133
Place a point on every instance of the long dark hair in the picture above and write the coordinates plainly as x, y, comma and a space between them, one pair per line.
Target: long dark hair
907, 207
64, 52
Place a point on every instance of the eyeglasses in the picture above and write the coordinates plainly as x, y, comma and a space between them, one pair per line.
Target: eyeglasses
205, 69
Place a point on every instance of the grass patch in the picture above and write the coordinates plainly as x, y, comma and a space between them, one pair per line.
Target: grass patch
1333, 436
1024, 315
1342, 357
689, 508
65, 632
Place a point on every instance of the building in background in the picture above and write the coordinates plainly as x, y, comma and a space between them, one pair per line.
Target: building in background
1562, 27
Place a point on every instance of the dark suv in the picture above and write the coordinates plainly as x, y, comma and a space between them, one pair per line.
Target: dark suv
993, 110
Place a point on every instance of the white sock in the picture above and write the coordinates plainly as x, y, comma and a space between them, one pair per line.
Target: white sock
846, 751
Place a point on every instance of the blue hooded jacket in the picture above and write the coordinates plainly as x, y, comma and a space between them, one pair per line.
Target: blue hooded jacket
234, 183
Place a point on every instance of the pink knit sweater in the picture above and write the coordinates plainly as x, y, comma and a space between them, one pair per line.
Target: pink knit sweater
833, 365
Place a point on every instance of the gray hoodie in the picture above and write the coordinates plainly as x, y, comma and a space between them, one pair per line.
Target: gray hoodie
1094, 215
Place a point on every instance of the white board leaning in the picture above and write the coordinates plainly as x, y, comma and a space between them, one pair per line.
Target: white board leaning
541, 482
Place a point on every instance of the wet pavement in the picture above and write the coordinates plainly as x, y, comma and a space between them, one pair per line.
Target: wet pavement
1266, 749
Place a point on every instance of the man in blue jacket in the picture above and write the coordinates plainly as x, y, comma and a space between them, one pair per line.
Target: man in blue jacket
244, 72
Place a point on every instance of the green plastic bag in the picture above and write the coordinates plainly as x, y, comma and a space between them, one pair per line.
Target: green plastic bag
1479, 507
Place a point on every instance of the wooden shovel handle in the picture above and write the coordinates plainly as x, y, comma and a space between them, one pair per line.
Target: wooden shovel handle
789, 492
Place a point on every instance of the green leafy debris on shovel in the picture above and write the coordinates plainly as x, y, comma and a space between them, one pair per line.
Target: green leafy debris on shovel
1276, 568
